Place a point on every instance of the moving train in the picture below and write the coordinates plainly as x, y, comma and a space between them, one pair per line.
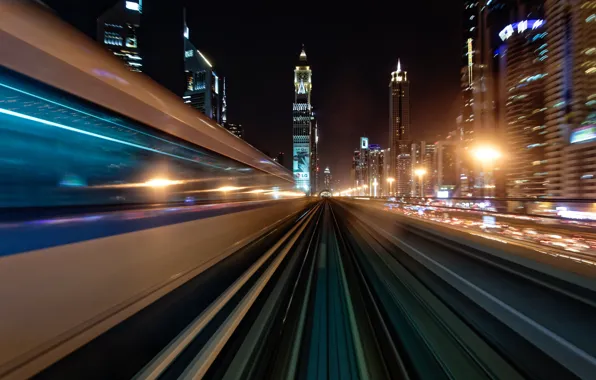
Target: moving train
78, 128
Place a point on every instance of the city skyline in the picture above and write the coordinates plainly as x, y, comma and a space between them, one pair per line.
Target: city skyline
485, 115
351, 62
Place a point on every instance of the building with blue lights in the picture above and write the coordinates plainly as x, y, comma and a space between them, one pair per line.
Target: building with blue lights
117, 30
522, 83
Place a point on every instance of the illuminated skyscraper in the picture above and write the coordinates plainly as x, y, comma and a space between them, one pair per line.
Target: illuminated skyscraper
224, 105
399, 131
117, 30
203, 85
302, 124
580, 176
327, 179
376, 172
447, 166
523, 56
314, 154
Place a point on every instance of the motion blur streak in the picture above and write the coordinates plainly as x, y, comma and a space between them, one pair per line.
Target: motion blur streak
388, 295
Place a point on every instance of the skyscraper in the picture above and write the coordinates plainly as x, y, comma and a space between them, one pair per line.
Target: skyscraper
447, 166
203, 85
523, 57
314, 154
302, 124
224, 104
399, 131
580, 176
327, 179
376, 172
117, 29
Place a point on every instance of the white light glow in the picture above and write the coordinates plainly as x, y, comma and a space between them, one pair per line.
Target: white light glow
522, 26
161, 182
486, 154
205, 59
132, 6
229, 188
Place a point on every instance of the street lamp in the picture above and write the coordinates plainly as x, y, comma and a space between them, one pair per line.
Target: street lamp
487, 156
420, 172
375, 184
390, 180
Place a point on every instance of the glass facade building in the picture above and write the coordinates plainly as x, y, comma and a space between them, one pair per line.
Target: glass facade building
523, 57
204, 88
399, 131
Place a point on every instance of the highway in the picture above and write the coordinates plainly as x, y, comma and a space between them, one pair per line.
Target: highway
343, 289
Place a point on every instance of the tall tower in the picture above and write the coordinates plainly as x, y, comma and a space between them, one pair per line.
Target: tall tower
523, 56
578, 171
303, 121
399, 131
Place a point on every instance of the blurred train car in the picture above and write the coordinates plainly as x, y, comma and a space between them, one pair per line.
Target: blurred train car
78, 128
78, 131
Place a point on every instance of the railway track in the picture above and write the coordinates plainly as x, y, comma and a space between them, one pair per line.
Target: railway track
334, 294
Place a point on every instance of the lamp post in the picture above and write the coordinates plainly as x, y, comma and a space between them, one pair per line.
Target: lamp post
375, 184
420, 172
487, 156
390, 180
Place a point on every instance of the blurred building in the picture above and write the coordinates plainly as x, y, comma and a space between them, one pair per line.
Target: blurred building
235, 129
447, 167
359, 174
203, 85
117, 30
327, 179
430, 165
314, 154
302, 124
356, 170
224, 100
399, 131
576, 86
522, 81
423, 160
376, 170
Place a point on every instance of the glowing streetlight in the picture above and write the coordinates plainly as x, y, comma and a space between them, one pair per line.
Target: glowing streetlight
420, 173
390, 180
486, 154
375, 184
161, 182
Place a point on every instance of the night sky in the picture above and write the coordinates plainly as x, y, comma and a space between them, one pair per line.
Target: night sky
351, 49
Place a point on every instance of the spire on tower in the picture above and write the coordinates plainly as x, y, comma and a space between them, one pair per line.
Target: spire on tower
303, 54
398, 65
